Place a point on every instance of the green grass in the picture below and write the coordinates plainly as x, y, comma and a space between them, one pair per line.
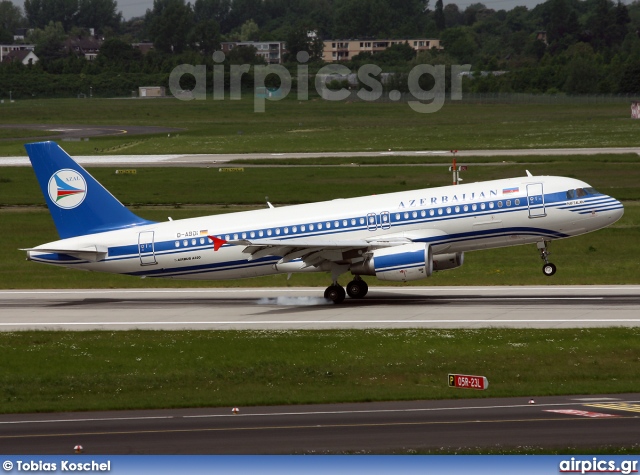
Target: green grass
290, 185
70, 371
316, 125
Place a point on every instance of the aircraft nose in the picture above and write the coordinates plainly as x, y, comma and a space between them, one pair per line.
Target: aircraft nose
616, 211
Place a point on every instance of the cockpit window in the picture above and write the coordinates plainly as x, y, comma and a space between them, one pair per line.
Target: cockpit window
581, 193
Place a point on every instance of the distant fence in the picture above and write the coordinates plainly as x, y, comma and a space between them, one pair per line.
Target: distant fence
502, 98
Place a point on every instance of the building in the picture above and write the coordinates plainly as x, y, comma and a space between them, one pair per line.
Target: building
86, 46
151, 91
143, 47
343, 50
6, 49
272, 51
24, 56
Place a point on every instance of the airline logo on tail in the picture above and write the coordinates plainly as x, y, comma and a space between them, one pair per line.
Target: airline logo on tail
67, 189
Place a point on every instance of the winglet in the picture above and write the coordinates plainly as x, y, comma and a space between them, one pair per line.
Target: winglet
217, 242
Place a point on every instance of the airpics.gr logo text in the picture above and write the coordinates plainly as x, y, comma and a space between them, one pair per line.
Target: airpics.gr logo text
67, 189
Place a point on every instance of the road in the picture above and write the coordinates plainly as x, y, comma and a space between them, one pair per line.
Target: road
386, 427
304, 308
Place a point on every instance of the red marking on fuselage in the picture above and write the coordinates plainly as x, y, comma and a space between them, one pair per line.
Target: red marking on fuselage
217, 242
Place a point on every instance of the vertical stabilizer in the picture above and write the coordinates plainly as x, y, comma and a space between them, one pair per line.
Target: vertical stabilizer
78, 204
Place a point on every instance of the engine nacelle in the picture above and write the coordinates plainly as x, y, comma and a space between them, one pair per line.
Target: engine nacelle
448, 261
403, 263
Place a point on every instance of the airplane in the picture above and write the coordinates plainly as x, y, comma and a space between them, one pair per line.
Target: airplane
400, 237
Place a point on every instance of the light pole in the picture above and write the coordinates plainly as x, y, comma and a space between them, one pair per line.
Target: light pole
90, 92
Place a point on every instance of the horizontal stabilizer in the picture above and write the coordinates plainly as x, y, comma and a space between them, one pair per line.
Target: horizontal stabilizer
90, 253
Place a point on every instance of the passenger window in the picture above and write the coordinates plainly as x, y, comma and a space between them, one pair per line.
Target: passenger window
311, 227
303, 228
423, 213
268, 232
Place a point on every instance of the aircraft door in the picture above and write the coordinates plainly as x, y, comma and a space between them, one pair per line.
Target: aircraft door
378, 221
146, 249
535, 197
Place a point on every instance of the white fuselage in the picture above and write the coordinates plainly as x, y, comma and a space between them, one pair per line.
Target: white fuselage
451, 219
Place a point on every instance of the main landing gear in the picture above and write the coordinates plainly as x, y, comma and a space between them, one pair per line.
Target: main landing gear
356, 289
548, 268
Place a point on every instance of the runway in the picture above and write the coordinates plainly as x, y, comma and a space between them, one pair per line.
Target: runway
222, 158
304, 308
561, 421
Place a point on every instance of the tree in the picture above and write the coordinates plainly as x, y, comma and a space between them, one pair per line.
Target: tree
452, 15
205, 36
10, 19
170, 23
48, 41
298, 39
41, 12
244, 55
217, 10
99, 14
249, 31
438, 16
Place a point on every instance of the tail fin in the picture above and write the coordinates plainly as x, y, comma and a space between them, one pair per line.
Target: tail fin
78, 204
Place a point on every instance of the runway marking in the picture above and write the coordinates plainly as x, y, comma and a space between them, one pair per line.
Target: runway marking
319, 322
98, 419
576, 412
618, 406
298, 427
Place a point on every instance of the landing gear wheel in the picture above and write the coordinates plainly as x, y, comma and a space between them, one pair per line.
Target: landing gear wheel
357, 289
335, 293
549, 269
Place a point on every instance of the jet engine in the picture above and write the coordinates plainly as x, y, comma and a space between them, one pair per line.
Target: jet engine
448, 261
413, 261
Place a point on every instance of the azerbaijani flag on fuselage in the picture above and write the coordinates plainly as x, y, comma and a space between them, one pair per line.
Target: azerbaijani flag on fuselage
506, 191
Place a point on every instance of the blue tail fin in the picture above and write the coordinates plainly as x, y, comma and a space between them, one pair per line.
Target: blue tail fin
78, 204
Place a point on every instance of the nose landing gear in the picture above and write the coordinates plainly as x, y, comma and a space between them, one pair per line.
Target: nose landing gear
548, 268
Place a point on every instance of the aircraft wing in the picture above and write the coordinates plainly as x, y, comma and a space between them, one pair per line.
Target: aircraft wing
313, 251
